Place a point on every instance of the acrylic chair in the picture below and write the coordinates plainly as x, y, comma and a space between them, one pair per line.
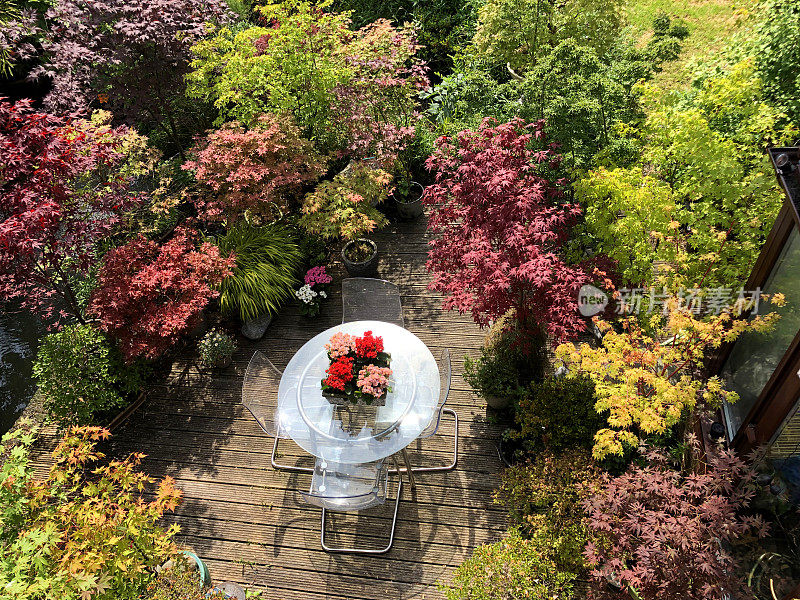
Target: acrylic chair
343, 487
445, 377
260, 397
366, 299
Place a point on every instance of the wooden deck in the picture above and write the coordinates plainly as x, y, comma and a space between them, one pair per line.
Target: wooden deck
248, 522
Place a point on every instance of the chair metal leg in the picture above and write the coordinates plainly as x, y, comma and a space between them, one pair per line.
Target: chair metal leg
449, 467
282, 467
383, 550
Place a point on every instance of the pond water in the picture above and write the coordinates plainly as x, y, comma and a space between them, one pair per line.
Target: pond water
19, 339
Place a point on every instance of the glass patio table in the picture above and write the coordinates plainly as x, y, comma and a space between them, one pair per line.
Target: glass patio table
353, 433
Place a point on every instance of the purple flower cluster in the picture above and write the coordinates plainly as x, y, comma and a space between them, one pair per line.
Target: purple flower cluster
317, 276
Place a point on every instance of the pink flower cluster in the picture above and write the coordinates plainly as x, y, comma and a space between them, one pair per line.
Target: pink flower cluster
317, 276
340, 344
373, 380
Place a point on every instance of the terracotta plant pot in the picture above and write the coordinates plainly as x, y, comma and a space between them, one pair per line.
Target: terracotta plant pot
361, 268
411, 207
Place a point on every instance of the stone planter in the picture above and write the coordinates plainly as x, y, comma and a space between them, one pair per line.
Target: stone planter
255, 329
222, 363
364, 268
411, 207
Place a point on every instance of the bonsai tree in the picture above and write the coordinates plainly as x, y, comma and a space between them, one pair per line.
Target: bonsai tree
500, 220
148, 295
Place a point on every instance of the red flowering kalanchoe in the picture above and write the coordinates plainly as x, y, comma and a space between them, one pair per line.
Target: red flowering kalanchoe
339, 373
368, 345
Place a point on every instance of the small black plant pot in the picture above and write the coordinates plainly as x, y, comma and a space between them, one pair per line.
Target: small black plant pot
509, 451
411, 207
360, 268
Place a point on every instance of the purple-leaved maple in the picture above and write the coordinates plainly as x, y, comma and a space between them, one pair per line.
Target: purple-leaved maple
130, 55
665, 533
500, 221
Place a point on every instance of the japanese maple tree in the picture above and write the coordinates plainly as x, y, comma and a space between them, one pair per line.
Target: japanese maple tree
129, 54
148, 294
500, 221
257, 169
62, 193
664, 533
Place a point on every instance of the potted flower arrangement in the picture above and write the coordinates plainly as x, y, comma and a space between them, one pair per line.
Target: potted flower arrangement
313, 291
359, 370
216, 350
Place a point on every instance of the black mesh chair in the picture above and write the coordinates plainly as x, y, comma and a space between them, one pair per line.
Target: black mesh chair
260, 397
366, 299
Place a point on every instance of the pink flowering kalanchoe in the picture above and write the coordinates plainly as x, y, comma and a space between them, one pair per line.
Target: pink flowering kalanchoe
317, 276
373, 380
340, 344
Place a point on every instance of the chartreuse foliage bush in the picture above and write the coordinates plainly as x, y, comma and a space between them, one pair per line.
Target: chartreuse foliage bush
702, 196
345, 206
268, 260
645, 387
84, 532
350, 91
511, 568
79, 372
541, 555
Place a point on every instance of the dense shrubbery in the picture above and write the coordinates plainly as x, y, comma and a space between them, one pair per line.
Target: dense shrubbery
557, 414
148, 294
86, 530
80, 372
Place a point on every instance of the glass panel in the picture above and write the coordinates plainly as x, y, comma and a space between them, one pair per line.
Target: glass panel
755, 355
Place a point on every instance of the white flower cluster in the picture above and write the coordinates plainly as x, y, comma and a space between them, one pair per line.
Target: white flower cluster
306, 294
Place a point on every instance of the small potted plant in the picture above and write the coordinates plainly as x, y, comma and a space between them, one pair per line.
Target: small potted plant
360, 257
359, 371
314, 291
408, 199
216, 350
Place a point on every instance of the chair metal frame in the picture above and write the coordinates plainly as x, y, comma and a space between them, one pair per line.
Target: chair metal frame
276, 435
372, 551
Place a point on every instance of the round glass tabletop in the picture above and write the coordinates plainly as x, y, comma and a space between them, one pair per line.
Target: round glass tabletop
359, 433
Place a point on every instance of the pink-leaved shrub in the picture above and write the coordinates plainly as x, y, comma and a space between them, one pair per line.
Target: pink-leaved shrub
148, 295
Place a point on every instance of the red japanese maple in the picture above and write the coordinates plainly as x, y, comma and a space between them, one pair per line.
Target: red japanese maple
61, 194
665, 533
148, 295
501, 221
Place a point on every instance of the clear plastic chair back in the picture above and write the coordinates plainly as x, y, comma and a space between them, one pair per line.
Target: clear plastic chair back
365, 299
347, 487
260, 393
445, 377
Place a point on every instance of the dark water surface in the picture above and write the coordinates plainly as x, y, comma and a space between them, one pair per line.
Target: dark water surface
19, 339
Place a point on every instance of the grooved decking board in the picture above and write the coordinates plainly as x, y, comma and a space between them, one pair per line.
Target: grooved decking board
248, 521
